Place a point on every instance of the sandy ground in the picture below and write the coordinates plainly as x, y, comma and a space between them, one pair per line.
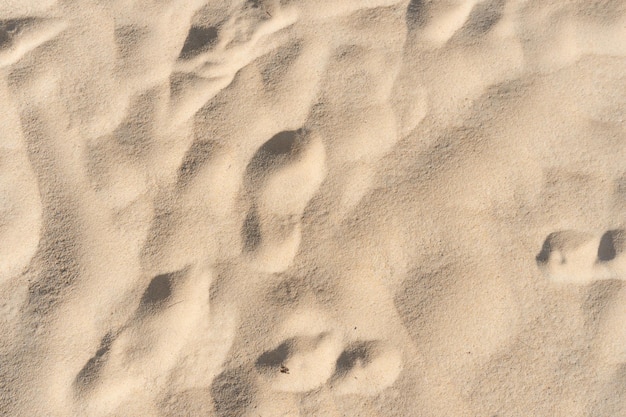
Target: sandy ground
271, 208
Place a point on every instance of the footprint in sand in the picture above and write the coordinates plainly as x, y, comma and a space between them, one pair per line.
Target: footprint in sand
576, 257
281, 179
300, 364
20, 202
303, 364
146, 348
315, 356
199, 40
366, 368
302, 354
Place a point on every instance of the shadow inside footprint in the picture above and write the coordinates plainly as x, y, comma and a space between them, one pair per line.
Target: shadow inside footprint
89, 374
564, 241
610, 244
199, 40
281, 143
159, 290
300, 364
546, 249
359, 353
367, 368
274, 152
274, 358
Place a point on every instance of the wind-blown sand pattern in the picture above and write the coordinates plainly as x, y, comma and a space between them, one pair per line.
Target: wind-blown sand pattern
313, 208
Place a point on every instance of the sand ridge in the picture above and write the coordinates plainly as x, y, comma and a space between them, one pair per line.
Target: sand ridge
297, 207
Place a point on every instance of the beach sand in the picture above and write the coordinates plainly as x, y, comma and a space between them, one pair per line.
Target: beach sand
263, 208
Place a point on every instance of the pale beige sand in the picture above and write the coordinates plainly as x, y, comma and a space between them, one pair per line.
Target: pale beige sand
313, 208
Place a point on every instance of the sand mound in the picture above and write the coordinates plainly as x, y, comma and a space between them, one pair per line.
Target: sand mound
312, 208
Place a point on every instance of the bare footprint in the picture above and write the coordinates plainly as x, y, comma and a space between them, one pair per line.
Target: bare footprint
367, 368
301, 352
568, 256
282, 177
139, 355
576, 257
301, 363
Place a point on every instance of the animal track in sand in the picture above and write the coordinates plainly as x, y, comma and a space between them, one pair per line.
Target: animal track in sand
282, 177
576, 257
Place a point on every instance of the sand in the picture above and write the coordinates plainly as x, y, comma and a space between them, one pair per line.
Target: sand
332, 208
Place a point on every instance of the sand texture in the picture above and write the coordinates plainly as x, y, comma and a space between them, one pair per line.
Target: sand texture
266, 208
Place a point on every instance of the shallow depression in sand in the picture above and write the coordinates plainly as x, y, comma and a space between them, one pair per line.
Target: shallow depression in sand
312, 208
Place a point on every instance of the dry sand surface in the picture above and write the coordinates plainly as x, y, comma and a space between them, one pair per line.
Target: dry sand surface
263, 208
